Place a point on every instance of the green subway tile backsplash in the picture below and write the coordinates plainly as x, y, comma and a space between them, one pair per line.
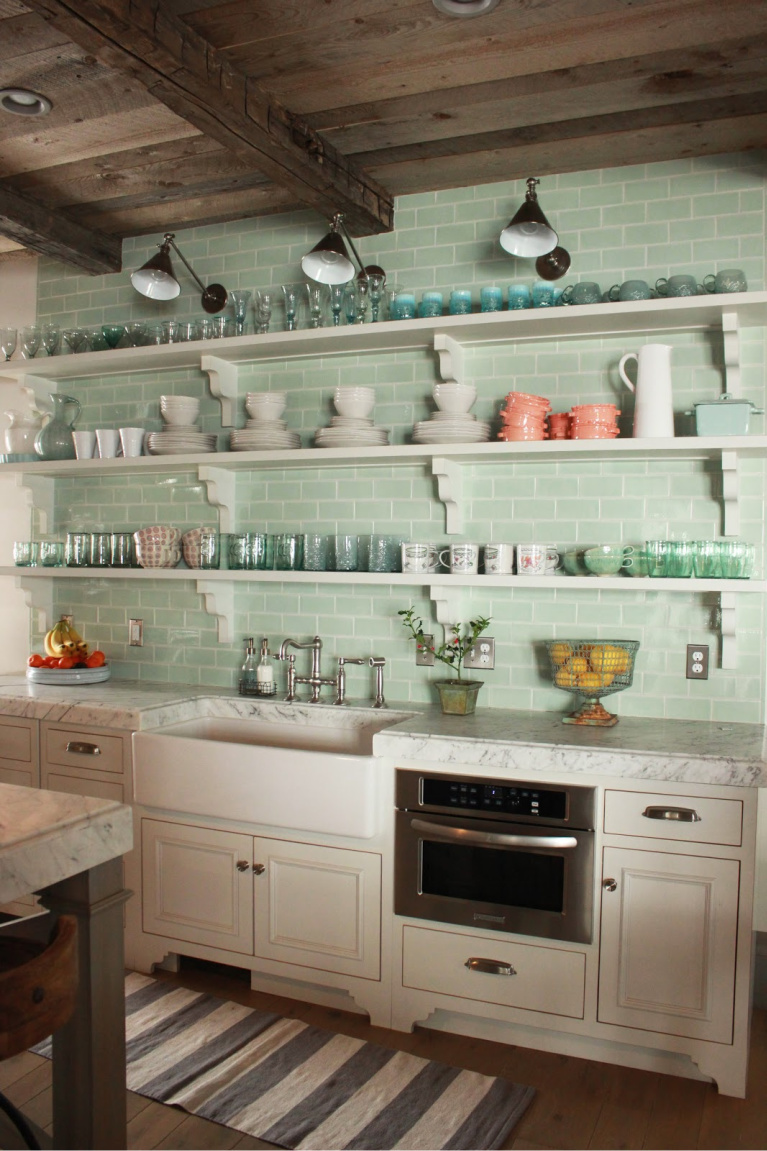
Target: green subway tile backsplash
676, 216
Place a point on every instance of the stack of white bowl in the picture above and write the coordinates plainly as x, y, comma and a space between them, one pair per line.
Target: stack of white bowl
452, 423
264, 431
181, 434
352, 427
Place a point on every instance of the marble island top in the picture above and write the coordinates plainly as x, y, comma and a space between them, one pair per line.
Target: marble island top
493, 739
46, 836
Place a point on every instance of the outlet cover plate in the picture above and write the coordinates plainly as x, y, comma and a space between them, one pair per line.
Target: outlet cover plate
481, 654
136, 633
697, 661
425, 658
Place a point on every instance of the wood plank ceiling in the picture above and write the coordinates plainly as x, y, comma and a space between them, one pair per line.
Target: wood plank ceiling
170, 113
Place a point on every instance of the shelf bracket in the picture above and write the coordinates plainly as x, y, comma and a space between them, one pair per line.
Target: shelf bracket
731, 506
450, 352
450, 490
729, 642
220, 485
223, 377
219, 601
38, 491
731, 334
38, 595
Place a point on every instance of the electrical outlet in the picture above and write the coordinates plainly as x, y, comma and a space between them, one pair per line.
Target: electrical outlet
481, 654
425, 658
136, 633
697, 661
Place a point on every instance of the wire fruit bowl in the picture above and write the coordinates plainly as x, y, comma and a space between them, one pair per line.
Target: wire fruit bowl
592, 670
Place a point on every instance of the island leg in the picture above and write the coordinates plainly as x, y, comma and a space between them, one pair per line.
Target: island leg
89, 1051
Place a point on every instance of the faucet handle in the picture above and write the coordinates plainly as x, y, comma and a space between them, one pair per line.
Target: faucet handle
379, 663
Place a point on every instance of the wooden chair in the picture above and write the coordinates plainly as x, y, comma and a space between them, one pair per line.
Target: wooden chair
38, 986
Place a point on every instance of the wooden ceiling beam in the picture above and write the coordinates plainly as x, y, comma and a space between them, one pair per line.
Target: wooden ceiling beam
54, 234
183, 71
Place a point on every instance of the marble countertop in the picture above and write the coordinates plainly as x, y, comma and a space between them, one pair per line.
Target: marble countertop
493, 739
46, 836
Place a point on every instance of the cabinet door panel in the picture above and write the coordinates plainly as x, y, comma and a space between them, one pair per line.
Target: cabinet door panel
20, 776
18, 740
318, 907
192, 887
80, 785
668, 943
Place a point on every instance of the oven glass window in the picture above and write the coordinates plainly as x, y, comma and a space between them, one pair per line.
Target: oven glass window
493, 875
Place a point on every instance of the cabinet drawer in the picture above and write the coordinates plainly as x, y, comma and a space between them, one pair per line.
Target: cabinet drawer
17, 741
545, 978
85, 749
78, 785
720, 820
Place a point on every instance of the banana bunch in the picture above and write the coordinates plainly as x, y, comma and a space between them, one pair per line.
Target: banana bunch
63, 640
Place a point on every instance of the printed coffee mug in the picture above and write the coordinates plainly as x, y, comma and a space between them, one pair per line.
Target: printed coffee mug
419, 558
462, 559
499, 559
537, 559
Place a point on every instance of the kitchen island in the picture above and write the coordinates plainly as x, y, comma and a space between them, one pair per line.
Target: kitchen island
68, 848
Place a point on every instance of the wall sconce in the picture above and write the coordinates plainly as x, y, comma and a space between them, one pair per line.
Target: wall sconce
156, 279
529, 233
329, 262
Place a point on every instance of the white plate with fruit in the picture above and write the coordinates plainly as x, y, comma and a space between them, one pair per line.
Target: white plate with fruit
67, 659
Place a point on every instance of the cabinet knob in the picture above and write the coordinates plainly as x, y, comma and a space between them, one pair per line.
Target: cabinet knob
259, 868
490, 966
243, 865
610, 884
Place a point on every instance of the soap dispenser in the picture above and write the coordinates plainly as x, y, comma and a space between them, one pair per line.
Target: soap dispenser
248, 684
265, 684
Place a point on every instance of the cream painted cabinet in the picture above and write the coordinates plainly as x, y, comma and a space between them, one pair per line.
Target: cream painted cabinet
86, 761
19, 755
291, 902
669, 935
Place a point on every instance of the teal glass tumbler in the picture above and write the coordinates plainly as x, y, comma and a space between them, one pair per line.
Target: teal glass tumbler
681, 558
210, 550
431, 305
658, 554
51, 553
491, 299
737, 559
25, 554
77, 549
460, 302
519, 297
707, 559
316, 552
288, 552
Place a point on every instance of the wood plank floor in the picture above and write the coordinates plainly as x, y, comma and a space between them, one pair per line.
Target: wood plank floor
579, 1104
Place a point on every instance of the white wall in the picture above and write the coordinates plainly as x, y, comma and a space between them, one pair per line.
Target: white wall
18, 306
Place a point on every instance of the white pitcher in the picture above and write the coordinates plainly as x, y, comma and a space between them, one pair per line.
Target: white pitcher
653, 408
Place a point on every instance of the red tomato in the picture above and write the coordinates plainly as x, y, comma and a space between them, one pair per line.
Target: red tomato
65, 661
50, 661
96, 659
35, 660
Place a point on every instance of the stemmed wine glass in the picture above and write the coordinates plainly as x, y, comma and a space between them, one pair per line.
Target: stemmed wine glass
291, 294
264, 304
315, 294
30, 341
51, 339
76, 339
7, 342
376, 283
362, 295
241, 300
337, 293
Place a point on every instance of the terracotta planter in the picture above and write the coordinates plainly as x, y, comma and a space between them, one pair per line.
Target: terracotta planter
458, 696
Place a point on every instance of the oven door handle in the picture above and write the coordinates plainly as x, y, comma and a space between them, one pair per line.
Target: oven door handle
466, 835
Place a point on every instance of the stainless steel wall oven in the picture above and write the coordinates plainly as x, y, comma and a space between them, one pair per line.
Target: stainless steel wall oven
491, 853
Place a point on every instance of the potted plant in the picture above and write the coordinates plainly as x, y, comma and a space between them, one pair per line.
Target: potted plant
458, 696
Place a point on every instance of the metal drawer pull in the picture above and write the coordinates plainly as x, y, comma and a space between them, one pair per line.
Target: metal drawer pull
681, 814
79, 747
464, 835
490, 966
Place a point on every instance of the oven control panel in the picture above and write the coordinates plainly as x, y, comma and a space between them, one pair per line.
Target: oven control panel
496, 798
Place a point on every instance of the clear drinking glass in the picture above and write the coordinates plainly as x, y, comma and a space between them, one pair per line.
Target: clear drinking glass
337, 293
681, 556
31, 337
707, 559
101, 549
136, 333
25, 554
77, 549
8, 338
210, 549
51, 339
316, 552
121, 550
51, 553
76, 339
291, 294
288, 552
658, 557
346, 553
264, 306
376, 282
737, 559
315, 297
241, 298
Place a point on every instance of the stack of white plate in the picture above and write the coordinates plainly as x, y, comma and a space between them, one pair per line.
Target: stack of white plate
180, 440
264, 436
350, 432
449, 428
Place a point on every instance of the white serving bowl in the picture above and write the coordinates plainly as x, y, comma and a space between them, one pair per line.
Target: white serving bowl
265, 405
355, 403
453, 397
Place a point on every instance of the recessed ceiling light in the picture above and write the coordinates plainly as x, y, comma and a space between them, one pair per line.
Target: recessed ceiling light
22, 102
465, 7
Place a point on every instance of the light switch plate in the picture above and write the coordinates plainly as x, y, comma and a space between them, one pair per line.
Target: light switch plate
481, 654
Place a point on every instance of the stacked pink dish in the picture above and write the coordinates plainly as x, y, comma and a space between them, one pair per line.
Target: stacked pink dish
524, 417
559, 426
594, 422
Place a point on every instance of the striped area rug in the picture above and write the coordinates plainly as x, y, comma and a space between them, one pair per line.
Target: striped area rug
301, 1086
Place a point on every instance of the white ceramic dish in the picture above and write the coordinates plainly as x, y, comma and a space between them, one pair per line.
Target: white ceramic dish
68, 676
